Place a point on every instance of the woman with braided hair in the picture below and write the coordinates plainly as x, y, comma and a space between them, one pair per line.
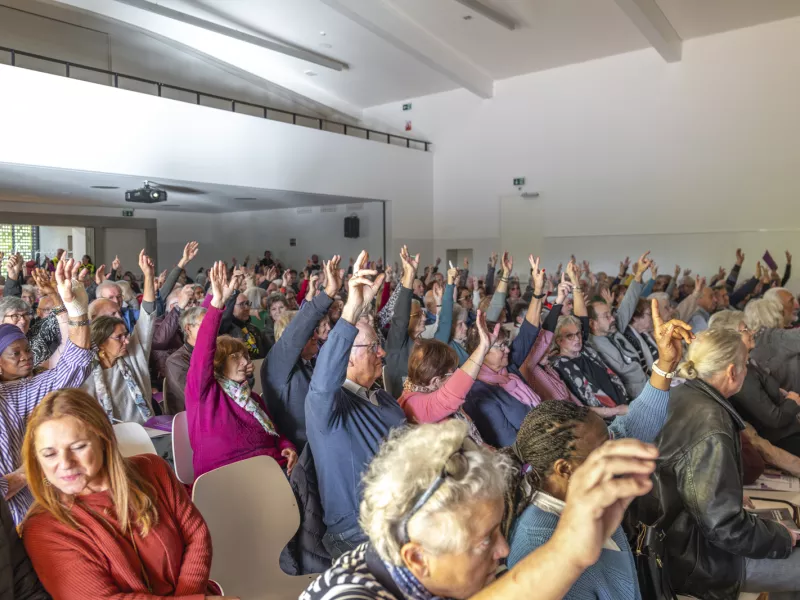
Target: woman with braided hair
555, 439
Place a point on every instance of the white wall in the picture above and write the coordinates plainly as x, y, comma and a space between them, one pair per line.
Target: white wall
159, 138
53, 238
629, 145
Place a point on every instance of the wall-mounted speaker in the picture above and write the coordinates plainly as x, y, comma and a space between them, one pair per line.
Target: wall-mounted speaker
351, 226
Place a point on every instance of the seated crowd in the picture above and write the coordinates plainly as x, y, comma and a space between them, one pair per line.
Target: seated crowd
438, 428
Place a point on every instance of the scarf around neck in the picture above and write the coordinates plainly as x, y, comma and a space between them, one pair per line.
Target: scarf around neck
240, 394
510, 383
130, 385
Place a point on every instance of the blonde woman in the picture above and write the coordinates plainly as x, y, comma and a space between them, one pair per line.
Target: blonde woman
103, 526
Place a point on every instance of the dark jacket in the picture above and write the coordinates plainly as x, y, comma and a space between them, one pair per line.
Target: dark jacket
177, 367
698, 488
239, 329
761, 404
305, 553
18, 580
398, 344
166, 340
285, 377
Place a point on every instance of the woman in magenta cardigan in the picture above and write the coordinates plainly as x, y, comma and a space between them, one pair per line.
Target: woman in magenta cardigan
228, 422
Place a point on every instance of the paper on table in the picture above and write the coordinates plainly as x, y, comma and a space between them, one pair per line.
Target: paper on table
775, 481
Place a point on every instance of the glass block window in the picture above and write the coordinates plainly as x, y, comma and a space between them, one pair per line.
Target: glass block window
19, 238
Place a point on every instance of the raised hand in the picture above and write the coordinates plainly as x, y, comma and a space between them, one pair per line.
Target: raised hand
758, 270
100, 274
70, 289
642, 265
43, 282
493, 260
438, 292
507, 262
14, 266
788, 257
564, 288
586, 268
146, 265
115, 264
623, 266
218, 277
605, 294
452, 275
699, 284
410, 266
653, 269
739, 256
466, 263
573, 273
272, 273
312, 286
721, 273
362, 289
687, 272
677, 271
189, 252
669, 337
333, 282
536, 274
185, 296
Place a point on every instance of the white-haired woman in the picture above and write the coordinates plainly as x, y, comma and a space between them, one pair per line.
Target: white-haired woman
714, 548
432, 509
773, 412
776, 349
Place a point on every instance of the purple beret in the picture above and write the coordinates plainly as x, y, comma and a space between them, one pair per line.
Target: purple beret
8, 335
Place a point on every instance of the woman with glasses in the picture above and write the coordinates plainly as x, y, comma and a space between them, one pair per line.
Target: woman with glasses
500, 398
584, 371
432, 510
120, 377
436, 386
228, 422
772, 411
554, 440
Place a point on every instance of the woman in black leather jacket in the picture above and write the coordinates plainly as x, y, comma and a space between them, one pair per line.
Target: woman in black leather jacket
714, 547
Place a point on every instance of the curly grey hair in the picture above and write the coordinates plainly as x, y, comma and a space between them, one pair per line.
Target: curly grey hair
763, 313
726, 319
407, 463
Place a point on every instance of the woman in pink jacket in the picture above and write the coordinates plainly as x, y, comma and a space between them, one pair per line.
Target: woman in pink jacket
436, 388
228, 422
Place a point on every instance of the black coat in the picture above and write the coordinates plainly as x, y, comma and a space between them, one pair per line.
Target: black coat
761, 404
698, 488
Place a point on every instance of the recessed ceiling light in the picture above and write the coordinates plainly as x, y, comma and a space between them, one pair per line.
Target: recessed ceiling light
326, 46
322, 33
105, 187
467, 17
310, 73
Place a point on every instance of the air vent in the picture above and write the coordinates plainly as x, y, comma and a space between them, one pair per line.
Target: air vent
355, 206
304, 211
327, 209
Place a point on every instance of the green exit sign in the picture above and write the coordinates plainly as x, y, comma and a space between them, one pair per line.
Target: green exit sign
519, 181
127, 213
407, 106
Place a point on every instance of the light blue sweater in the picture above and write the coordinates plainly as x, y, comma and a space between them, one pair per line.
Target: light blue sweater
613, 577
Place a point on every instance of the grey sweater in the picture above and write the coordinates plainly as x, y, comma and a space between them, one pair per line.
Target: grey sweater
137, 361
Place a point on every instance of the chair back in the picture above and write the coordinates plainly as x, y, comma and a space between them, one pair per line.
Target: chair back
252, 514
258, 386
133, 439
182, 453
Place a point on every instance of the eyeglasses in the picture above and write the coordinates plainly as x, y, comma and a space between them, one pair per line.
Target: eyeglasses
572, 336
501, 345
16, 318
245, 304
456, 467
373, 347
120, 338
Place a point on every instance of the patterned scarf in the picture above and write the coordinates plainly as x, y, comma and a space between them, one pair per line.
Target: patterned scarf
510, 383
240, 393
250, 341
130, 384
408, 584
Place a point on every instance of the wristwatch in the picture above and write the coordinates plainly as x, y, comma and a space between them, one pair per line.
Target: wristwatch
662, 372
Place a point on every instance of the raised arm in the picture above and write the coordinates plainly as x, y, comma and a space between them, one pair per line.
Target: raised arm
490, 270
200, 377
446, 313
631, 298
398, 333
787, 273
579, 302
13, 285
498, 301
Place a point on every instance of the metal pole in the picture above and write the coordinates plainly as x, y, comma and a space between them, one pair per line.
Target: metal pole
67, 70
13, 58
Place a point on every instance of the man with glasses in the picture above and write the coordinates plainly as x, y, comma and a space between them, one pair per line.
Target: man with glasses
346, 417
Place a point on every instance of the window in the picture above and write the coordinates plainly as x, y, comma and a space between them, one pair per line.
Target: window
19, 238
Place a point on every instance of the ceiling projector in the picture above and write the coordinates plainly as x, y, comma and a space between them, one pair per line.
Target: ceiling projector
146, 195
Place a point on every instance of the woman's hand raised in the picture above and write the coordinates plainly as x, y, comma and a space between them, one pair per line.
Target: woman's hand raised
218, 277
669, 337
333, 282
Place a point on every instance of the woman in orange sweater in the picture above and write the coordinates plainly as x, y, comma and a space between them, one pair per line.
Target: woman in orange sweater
104, 526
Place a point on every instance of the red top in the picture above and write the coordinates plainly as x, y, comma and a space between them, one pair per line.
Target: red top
92, 562
432, 407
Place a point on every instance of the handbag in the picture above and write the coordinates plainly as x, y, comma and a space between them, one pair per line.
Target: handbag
649, 556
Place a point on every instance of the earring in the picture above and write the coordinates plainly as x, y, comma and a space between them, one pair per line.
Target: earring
47, 482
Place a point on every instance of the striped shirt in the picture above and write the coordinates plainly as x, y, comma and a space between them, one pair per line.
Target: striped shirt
17, 401
350, 578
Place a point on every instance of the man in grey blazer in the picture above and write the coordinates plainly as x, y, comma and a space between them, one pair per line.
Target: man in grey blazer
607, 333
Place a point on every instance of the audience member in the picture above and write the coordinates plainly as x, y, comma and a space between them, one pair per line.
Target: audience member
706, 304
776, 349
228, 422
104, 526
177, 365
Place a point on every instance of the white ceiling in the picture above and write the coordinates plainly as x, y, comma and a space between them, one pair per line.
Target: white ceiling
40, 185
400, 49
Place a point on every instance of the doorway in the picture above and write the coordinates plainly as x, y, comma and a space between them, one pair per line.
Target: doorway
457, 256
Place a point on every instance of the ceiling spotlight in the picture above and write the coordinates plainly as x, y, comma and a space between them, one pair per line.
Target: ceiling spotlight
467, 17
105, 187
322, 33
310, 73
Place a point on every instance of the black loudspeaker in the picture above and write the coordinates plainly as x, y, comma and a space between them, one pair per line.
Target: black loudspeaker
351, 227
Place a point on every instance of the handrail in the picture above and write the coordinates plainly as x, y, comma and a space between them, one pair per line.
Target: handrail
266, 109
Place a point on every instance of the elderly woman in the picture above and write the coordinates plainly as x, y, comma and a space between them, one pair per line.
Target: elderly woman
500, 398
228, 422
20, 393
776, 349
453, 327
584, 371
773, 412
554, 440
258, 311
432, 509
436, 387
104, 526
121, 375
713, 546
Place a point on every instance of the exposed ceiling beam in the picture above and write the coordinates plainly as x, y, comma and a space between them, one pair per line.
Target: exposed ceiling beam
294, 51
490, 13
392, 25
655, 27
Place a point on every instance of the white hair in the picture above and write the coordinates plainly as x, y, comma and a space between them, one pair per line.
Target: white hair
660, 297
712, 352
406, 464
727, 319
30, 289
105, 286
8, 303
763, 313
774, 294
255, 295
128, 294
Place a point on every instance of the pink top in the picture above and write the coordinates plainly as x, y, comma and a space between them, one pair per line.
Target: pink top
545, 381
432, 407
220, 431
